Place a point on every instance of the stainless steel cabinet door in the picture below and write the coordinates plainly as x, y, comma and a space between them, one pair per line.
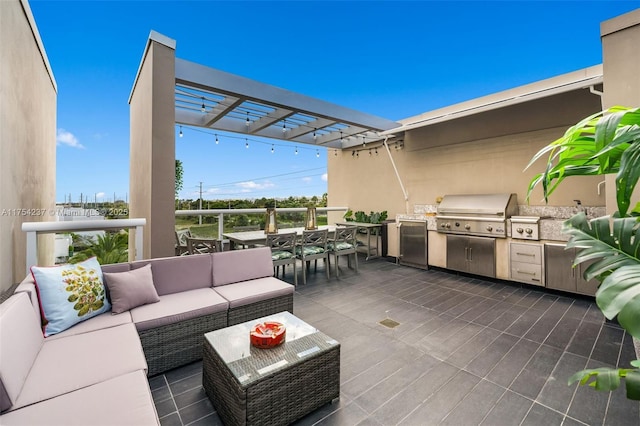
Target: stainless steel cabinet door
481, 256
583, 286
559, 269
457, 253
413, 243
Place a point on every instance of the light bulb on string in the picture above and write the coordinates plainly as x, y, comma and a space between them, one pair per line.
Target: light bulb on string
376, 150
315, 137
246, 143
357, 153
248, 122
353, 153
180, 134
369, 152
341, 141
335, 152
284, 126
203, 108
217, 141
296, 150
317, 153
363, 143
272, 150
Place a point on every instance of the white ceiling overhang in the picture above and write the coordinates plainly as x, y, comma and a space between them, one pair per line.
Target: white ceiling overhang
217, 100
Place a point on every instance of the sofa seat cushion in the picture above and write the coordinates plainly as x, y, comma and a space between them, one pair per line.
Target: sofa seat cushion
179, 273
100, 322
67, 364
247, 292
122, 400
241, 265
173, 308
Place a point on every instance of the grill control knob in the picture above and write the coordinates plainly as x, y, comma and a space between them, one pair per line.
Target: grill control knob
448, 226
529, 231
519, 230
489, 228
457, 224
467, 226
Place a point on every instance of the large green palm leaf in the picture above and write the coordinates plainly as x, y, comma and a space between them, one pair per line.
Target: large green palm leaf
616, 264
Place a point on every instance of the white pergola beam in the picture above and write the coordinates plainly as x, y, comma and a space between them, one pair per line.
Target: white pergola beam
223, 108
210, 79
312, 126
270, 119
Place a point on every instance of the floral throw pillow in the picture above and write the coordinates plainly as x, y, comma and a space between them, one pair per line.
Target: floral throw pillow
69, 294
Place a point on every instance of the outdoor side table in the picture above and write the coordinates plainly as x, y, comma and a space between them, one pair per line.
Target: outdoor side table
272, 386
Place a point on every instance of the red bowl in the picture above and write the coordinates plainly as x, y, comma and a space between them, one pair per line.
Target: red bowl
267, 334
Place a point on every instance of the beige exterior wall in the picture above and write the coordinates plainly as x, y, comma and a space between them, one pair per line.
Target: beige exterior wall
152, 150
480, 153
621, 64
27, 139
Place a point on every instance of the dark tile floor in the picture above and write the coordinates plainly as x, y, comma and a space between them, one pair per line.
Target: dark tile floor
468, 351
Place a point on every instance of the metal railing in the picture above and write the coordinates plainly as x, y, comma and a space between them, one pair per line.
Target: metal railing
221, 212
33, 229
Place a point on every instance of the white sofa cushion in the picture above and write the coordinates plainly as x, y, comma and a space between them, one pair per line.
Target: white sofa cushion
177, 307
67, 364
241, 265
105, 320
247, 292
179, 273
20, 342
122, 400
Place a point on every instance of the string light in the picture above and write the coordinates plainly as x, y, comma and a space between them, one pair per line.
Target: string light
317, 153
272, 149
248, 123
341, 141
335, 152
217, 141
369, 152
315, 137
180, 131
203, 108
246, 143
284, 126
296, 150
376, 150
363, 143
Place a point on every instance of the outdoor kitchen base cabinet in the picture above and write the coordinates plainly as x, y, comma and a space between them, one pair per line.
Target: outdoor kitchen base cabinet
561, 275
474, 255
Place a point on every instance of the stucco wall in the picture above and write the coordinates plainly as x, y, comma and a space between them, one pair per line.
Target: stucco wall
27, 139
481, 153
621, 64
152, 150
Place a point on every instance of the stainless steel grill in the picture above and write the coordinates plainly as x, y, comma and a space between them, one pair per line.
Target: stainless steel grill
477, 214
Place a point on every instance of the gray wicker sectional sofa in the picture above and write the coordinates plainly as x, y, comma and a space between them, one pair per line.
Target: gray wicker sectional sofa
73, 377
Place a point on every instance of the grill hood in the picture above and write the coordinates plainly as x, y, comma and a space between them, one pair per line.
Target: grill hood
480, 205
476, 214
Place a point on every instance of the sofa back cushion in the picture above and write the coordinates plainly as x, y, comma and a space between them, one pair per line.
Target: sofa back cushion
20, 341
28, 286
241, 265
178, 273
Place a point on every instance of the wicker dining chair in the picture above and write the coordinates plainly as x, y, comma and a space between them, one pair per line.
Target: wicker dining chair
344, 243
201, 245
313, 246
283, 253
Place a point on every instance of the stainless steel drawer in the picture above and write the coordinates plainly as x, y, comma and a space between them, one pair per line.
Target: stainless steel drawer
526, 253
527, 273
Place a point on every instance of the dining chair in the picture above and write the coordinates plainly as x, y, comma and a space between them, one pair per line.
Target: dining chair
313, 246
283, 248
344, 243
181, 242
201, 245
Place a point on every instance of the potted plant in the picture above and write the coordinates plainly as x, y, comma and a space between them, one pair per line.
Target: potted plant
606, 142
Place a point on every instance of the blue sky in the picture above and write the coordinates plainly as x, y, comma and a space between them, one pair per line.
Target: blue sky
391, 59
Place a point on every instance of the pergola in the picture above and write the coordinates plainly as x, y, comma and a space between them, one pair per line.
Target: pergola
214, 99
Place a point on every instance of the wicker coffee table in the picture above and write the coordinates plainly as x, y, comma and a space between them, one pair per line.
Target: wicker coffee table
273, 386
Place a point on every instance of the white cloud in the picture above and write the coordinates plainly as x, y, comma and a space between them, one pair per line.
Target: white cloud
251, 185
324, 177
100, 194
306, 179
67, 138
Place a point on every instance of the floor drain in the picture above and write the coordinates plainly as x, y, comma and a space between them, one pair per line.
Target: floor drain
388, 322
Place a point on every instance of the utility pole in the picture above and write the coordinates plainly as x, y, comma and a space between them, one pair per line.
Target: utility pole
200, 206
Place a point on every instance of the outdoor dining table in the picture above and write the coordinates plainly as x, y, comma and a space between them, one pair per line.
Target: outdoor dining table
252, 238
